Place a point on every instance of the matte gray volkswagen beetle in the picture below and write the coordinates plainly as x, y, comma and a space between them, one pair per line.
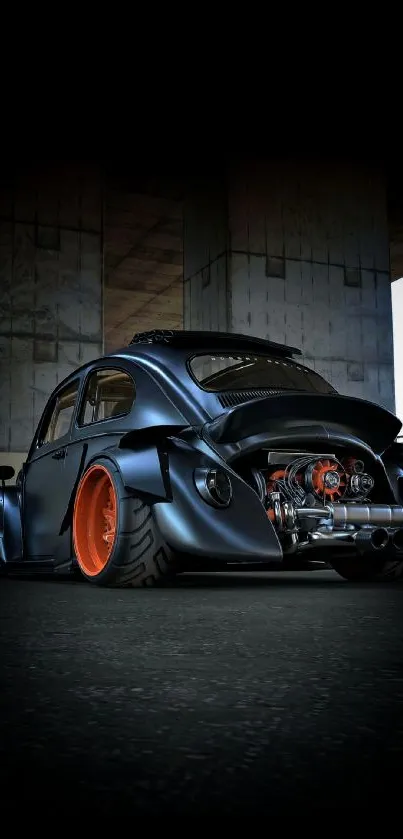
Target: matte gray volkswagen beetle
202, 450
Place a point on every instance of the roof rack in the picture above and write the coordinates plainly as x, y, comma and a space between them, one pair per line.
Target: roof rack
154, 336
203, 340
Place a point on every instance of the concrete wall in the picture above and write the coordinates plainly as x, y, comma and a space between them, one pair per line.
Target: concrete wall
50, 289
306, 263
206, 284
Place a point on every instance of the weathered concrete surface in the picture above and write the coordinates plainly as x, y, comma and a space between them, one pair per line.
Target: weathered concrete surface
222, 693
298, 253
143, 258
50, 289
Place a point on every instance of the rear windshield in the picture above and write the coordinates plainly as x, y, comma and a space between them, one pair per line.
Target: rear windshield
245, 372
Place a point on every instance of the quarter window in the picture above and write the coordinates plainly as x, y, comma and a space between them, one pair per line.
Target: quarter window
59, 418
109, 393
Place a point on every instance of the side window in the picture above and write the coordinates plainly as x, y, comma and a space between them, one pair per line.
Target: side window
60, 415
109, 393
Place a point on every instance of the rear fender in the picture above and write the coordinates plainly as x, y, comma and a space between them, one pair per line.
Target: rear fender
163, 472
144, 470
10, 525
240, 532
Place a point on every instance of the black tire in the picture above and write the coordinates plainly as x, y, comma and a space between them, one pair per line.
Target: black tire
139, 555
365, 569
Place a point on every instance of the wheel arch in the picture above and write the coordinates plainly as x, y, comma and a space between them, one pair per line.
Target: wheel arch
143, 470
11, 540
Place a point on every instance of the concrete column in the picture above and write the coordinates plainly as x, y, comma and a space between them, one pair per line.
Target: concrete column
297, 252
50, 289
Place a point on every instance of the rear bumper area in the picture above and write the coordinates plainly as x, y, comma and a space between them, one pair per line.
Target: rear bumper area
240, 532
215, 540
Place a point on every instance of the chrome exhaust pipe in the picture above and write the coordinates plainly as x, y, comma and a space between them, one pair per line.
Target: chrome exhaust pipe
397, 539
365, 541
358, 515
332, 539
371, 540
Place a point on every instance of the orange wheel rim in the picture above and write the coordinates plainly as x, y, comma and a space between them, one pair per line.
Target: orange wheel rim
94, 520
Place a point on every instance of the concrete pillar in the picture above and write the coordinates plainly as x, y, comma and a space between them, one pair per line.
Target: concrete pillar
50, 289
297, 252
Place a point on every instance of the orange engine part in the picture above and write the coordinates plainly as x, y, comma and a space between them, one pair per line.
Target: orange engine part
321, 467
278, 475
273, 478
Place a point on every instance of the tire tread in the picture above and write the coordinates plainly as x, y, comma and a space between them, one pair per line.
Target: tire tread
140, 556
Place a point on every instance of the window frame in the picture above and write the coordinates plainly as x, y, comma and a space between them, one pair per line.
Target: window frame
251, 356
80, 426
39, 444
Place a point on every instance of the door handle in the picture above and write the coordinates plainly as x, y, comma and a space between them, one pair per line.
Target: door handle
60, 454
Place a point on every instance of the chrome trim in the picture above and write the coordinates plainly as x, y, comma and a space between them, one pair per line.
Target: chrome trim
201, 477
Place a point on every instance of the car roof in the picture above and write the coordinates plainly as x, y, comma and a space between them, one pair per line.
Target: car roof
163, 355
173, 347
206, 341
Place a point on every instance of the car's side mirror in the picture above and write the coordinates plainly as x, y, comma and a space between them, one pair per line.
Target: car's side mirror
6, 473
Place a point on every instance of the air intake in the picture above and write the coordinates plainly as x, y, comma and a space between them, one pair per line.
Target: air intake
237, 397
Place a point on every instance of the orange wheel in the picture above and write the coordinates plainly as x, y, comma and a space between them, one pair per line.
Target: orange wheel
95, 520
115, 538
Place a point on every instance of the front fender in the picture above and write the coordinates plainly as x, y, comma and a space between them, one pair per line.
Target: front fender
240, 532
10, 525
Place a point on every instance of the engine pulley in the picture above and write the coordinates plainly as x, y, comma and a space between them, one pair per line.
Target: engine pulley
326, 478
361, 484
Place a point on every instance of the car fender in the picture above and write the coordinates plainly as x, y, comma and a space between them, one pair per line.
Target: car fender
240, 532
10, 525
162, 474
144, 470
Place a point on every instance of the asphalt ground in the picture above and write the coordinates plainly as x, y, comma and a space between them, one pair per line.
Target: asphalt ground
218, 694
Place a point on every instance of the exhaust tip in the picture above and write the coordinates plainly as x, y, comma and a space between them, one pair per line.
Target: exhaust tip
367, 540
397, 539
380, 538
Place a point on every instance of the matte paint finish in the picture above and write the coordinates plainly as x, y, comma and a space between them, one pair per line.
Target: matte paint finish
11, 535
376, 426
239, 533
142, 472
394, 464
47, 485
167, 434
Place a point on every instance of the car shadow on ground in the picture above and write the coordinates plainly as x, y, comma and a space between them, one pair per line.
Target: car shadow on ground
209, 580
281, 579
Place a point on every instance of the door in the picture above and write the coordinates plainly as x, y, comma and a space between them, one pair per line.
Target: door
108, 396
48, 481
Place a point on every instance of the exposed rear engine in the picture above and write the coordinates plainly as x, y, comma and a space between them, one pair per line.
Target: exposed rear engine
319, 500
315, 478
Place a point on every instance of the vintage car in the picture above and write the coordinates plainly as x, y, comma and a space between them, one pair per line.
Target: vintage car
190, 450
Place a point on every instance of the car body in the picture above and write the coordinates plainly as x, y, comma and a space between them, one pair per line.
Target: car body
217, 450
